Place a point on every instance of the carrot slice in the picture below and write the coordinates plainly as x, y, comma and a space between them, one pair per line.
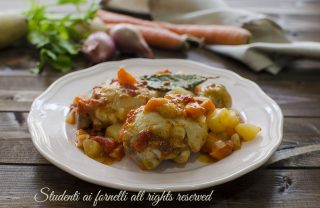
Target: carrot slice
210, 143
125, 78
154, 103
194, 110
208, 105
221, 149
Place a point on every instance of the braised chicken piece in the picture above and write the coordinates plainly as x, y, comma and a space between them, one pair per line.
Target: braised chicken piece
109, 103
99, 117
168, 128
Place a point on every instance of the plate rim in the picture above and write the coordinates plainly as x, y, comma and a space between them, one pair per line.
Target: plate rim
181, 187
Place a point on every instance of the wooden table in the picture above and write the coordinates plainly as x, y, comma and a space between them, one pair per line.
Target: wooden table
292, 179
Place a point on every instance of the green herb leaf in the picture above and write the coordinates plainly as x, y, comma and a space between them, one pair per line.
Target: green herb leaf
38, 39
61, 2
167, 82
63, 63
55, 35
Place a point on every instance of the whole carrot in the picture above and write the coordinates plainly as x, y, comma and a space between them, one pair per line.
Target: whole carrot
163, 38
212, 34
159, 37
115, 18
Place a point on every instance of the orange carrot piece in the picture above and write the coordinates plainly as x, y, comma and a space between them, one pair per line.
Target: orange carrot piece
208, 105
117, 153
154, 103
194, 110
210, 142
159, 37
221, 149
212, 34
197, 89
125, 78
230, 131
115, 18
162, 38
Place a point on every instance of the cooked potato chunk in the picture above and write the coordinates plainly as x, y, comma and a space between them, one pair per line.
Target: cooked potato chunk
92, 148
236, 141
81, 135
113, 131
247, 131
233, 119
218, 121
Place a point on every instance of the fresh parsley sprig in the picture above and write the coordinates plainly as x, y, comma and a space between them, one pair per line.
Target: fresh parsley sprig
55, 35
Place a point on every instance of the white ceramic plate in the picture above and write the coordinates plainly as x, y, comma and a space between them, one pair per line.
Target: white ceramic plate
54, 139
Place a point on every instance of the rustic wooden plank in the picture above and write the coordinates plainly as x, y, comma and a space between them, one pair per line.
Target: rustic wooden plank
20, 150
18, 95
12, 122
15, 106
16, 145
16, 100
26, 82
295, 99
15, 141
272, 188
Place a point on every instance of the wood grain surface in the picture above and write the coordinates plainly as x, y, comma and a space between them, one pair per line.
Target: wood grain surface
291, 178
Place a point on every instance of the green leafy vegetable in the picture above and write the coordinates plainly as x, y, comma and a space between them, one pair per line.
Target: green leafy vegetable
72, 2
55, 35
167, 82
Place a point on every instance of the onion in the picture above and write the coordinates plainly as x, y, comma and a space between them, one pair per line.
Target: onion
129, 40
99, 47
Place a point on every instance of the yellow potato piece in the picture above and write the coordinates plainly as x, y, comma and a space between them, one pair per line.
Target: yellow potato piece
218, 120
92, 148
233, 119
80, 138
236, 141
247, 131
113, 131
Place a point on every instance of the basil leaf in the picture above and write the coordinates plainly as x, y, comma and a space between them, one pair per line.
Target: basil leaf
167, 82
